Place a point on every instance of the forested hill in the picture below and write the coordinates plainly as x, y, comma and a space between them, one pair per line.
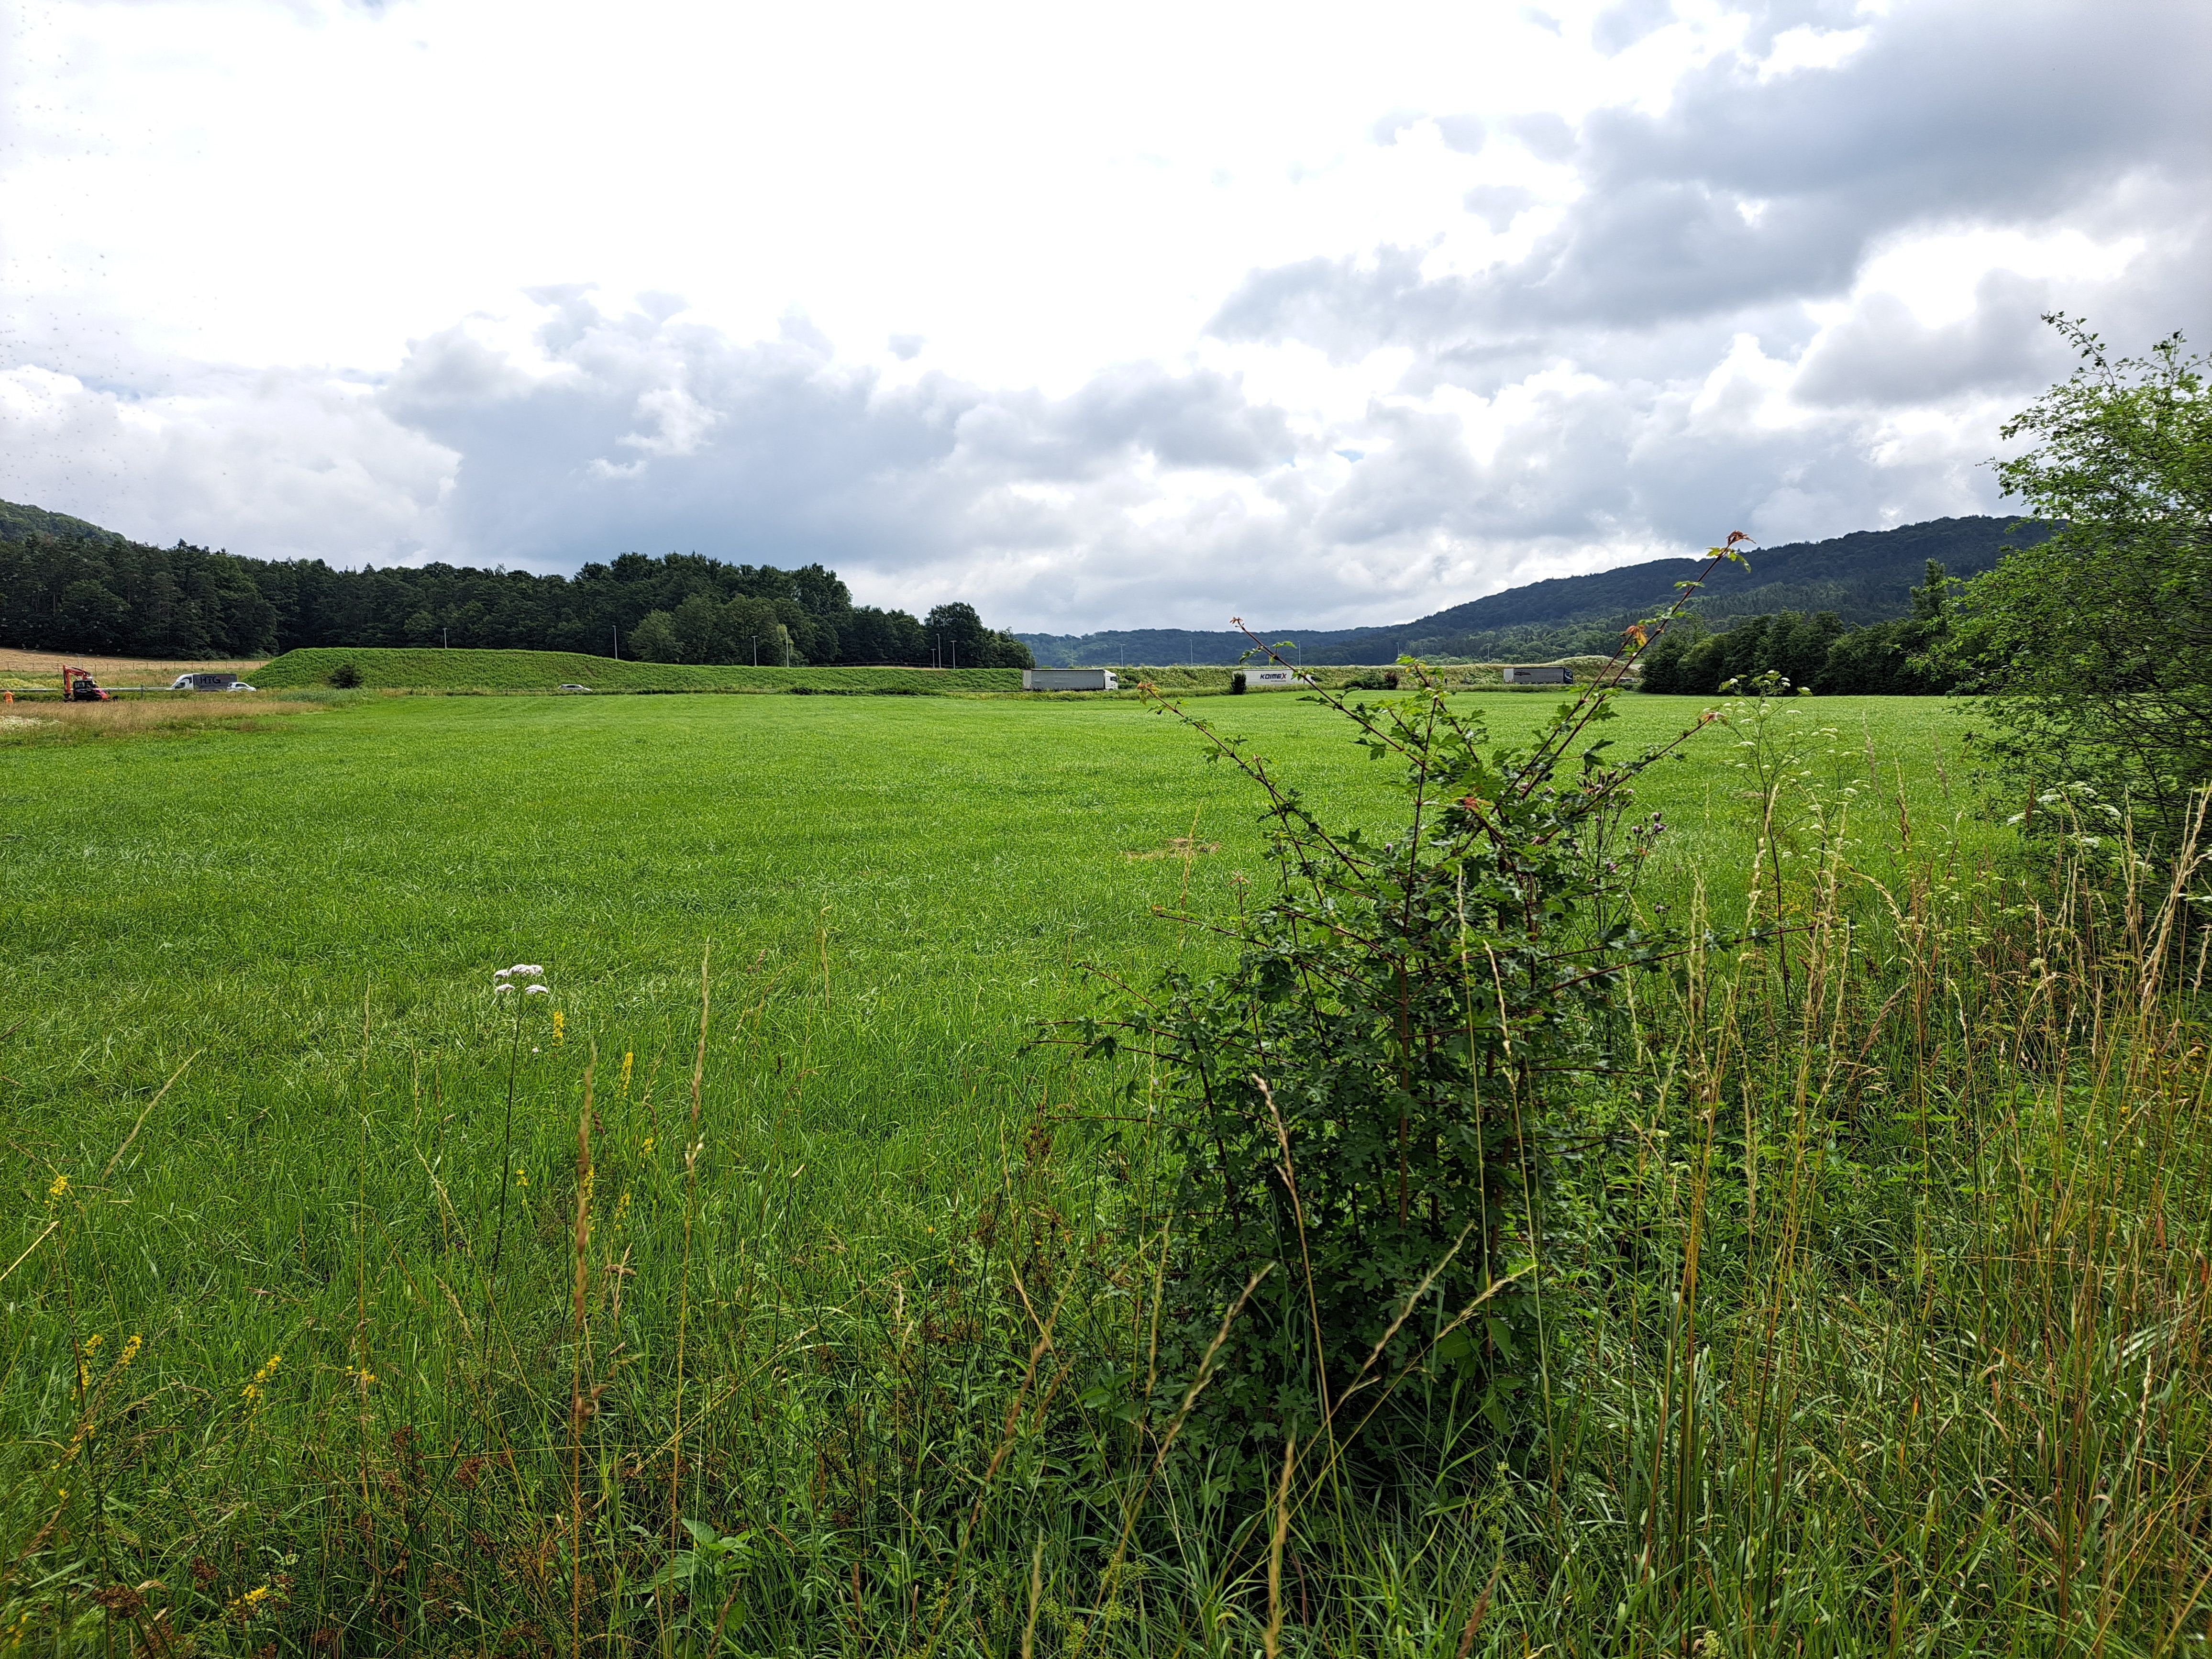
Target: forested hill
67, 586
21, 524
1864, 577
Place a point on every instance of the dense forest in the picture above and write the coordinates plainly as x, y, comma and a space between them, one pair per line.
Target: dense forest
68, 585
1903, 657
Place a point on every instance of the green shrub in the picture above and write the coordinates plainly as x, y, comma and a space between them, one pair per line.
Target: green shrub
1357, 1110
346, 675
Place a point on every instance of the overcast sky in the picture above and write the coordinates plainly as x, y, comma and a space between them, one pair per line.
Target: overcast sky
1096, 315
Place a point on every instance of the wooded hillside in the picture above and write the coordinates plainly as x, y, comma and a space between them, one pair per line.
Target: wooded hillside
66, 585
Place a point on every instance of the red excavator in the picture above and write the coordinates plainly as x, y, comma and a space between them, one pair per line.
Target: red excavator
78, 686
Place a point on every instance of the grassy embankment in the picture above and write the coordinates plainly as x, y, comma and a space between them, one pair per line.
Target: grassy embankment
1878, 1304
464, 669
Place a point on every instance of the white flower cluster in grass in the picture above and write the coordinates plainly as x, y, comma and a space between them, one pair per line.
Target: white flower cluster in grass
504, 979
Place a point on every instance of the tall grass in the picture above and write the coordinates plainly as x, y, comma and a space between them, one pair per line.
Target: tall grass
1875, 1292
57, 721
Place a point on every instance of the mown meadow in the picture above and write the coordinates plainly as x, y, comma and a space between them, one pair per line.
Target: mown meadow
750, 1279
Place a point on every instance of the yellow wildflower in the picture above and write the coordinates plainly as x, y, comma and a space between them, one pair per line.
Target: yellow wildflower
560, 1026
130, 1352
59, 1190
522, 1177
91, 1343
629, 1055
243, 1608
252, 1391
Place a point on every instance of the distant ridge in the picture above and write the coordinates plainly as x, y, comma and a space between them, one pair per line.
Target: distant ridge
19, 523
1864, 577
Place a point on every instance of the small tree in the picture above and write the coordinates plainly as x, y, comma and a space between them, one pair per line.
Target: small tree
701, 627
2091, 652
654, 639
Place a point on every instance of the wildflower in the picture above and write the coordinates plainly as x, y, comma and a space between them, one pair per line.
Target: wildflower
92, 1343
502, 987
537, 991
129, 1352
253, 1391
645, 1145
243, 1608
560, 1022
522, 1177
621, 1208
629, 1055
501, 973
528, 970
59, 1190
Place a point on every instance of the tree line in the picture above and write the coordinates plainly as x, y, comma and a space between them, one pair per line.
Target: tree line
98, 593
1906, 657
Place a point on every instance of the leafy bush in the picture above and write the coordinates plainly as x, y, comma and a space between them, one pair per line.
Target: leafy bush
2092, 652
346, 675
1364, 1099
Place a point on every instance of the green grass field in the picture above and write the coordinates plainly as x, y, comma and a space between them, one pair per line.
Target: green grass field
290, 1361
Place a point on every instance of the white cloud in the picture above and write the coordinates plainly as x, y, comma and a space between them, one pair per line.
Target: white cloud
1083, 315
279, 464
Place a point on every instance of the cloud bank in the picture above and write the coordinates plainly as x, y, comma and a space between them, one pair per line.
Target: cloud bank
1787, 280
